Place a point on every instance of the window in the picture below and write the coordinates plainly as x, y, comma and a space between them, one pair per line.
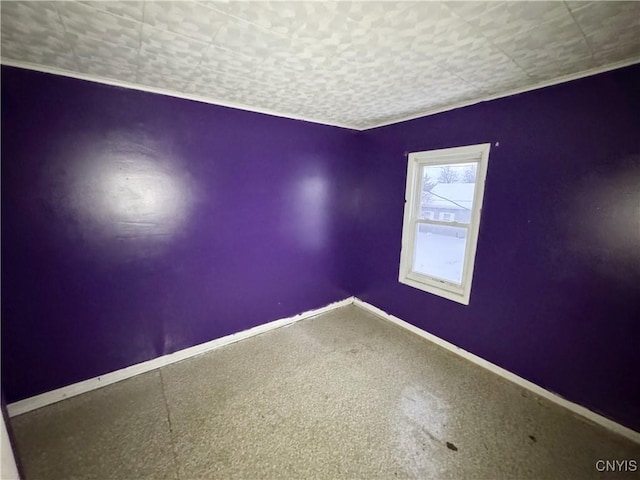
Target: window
443, 202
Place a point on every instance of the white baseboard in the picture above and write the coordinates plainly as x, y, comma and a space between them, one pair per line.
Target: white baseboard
512, 377
8, 467
47, 398
53, 396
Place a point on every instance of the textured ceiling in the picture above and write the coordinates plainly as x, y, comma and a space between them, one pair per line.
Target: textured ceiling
355, 64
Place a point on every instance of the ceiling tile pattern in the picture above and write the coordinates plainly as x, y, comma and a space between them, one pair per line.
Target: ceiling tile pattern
355, 64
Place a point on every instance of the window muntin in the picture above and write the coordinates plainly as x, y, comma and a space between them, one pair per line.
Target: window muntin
441, 221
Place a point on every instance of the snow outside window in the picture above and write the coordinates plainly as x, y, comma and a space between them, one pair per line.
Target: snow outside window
441, 220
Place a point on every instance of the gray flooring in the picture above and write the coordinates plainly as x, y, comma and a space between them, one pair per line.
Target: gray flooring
342, 395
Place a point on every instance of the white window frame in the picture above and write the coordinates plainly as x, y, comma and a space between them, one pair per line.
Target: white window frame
447, 156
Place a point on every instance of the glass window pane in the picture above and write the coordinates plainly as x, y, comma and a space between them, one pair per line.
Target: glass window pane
439, 252
447, 192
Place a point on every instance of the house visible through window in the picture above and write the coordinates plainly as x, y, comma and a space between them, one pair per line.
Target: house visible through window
441, 220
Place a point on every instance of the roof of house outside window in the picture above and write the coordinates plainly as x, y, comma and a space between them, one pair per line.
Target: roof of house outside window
457, 196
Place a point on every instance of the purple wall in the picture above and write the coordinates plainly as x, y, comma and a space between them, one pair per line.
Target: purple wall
135, 225
556, 288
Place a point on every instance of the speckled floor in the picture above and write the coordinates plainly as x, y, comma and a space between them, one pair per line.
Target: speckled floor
342, 395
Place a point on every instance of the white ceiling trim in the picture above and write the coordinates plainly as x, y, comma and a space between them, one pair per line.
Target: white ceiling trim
161, 91
212, 101
509, 93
